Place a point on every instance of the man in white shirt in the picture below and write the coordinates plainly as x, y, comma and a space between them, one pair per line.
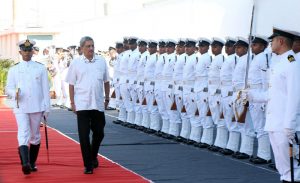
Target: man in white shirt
86, 77
27, 83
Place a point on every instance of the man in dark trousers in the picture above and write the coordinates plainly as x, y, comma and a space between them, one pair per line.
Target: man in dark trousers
86, 77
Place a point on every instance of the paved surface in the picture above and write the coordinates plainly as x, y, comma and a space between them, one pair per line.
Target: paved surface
162, 160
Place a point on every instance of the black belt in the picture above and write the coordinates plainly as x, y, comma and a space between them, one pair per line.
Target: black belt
142, 83
152, 83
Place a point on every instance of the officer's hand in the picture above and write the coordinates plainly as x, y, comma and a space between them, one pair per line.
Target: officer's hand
45, 115
290, 133
73, 107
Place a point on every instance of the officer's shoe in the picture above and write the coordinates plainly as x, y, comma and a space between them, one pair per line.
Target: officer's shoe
203, 145
158, 133
179, 139
95, 163
190, 142
33, 167
88, 170
272, 165
284, 181
214, 148
150, 131
117, 121
259, 160
226, 151
241, 156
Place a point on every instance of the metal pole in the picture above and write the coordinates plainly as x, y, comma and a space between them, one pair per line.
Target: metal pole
291, 162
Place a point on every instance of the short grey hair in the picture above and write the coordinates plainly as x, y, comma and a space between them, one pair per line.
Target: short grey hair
85, 39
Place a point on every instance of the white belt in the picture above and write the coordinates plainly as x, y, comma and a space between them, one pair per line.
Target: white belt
255, 86
168, 78
226, 83
178, 82
188, 82
213, 82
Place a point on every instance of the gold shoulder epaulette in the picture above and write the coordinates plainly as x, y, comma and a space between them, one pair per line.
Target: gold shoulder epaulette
291, 58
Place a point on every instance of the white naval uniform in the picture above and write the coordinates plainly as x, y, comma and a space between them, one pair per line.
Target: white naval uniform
189, 121
149, 83
116, 83
214, 97
283, 111
201, 92
32, 79
124, 92
226, 93
168, 89
141, 112
133, 61
158, 88
258, 84
246, 129
178, 94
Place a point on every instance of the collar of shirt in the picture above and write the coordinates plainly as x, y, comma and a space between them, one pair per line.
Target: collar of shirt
87, 60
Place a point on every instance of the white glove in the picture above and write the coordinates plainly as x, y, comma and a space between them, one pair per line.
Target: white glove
45, 114
290, 133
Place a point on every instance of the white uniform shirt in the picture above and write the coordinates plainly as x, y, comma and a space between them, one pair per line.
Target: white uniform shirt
215, 67
133, 61
32, 79
201, 71
298, 56
189, 68
238, 76
141, 65
149, 72
88, 79
258, 70
124, 66
283, 109
159, 66
117, 66
178, 68
168, 69
227, 68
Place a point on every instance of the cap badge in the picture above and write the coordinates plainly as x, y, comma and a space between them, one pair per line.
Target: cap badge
27, 43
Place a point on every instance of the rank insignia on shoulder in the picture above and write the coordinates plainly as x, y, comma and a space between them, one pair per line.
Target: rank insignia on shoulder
291, 58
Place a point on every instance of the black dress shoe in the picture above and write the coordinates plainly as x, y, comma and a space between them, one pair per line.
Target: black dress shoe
226, 151
241, 156
33, 168
202, 145
95, 163
272, 165
88, 170
150, 131
259, 160
26, 169
179, 139
158, 133
117, 121
190, 142
214, 148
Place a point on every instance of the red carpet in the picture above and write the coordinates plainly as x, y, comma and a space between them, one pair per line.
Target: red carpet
65, 163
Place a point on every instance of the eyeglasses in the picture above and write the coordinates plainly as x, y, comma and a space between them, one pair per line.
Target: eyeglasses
29, 49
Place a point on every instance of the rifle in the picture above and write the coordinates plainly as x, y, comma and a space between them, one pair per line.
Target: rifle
197, 112
242, 116
113, 95
144, 101
208, 112
174, 106
183, 109
154, 102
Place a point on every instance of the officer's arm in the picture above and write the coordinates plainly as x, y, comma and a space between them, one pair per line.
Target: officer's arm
11, 84
292, 107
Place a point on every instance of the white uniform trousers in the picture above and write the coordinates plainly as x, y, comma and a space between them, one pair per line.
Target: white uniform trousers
207, 123
280, 146
246, 130
232, 126
132, 102
138, 107
155, 119
160, 104
257, 112
29, 128
125, 95
174, 115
